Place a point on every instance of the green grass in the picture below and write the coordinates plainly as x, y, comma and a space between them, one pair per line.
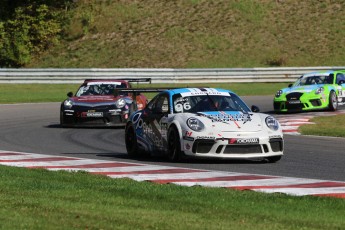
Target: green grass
40, 199
29, 93
325, 126
200, 34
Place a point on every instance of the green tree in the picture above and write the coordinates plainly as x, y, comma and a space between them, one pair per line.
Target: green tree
28, 28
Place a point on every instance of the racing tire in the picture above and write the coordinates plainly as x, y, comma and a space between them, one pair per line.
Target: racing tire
62, 119
65, 122
174, 145
333, 101
273, 159
131, 141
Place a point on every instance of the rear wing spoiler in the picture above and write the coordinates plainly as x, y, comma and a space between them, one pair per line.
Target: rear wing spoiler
137, 91
150, 90
136, 79
123, 79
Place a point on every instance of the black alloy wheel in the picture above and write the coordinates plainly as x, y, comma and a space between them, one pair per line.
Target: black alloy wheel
131, 141
174, 145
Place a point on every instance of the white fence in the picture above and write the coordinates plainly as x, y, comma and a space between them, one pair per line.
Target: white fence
221, 75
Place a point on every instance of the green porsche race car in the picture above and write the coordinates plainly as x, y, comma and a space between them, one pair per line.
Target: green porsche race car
312, 91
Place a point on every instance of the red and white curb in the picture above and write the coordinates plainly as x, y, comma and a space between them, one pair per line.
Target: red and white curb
179, 176
291, 123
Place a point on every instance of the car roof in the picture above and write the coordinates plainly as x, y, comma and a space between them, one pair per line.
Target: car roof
323, 73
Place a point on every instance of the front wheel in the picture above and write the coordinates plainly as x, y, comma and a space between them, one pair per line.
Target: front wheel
131, 141
174, 145
62, 119
333, 101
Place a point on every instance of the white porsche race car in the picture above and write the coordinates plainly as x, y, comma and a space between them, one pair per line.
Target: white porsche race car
203, 122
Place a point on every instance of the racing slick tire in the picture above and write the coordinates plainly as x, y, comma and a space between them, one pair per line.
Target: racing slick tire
131, 142
333, 101
273, 159
174, 146
65, 122
62, 119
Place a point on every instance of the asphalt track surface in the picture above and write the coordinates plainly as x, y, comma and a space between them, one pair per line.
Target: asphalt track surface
34, 128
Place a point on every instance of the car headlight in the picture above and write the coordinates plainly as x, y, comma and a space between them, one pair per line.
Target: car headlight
68, 104
120, 103
319, 90
272, 123
279, 92
195, 124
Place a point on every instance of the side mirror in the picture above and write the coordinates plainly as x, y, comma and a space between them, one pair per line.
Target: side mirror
255, 109
290, 85
70, 94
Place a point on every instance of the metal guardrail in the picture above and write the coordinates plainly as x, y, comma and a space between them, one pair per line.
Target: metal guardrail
163, 75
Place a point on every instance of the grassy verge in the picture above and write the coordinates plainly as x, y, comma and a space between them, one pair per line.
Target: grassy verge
325, 126
199, 34
40, 199
28, 93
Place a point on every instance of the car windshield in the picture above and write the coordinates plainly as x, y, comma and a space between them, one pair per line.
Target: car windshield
98, 88
203, 103
314, 80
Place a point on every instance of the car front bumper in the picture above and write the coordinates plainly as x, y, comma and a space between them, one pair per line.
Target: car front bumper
97, 119
302, 104
225, 148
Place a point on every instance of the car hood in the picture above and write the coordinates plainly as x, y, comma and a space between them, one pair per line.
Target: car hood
93, 99
99, 100
232, 121
302, 89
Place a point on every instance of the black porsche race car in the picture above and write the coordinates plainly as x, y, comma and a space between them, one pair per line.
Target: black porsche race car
99, 103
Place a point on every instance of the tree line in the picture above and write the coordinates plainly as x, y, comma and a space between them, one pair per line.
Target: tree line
29, 27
